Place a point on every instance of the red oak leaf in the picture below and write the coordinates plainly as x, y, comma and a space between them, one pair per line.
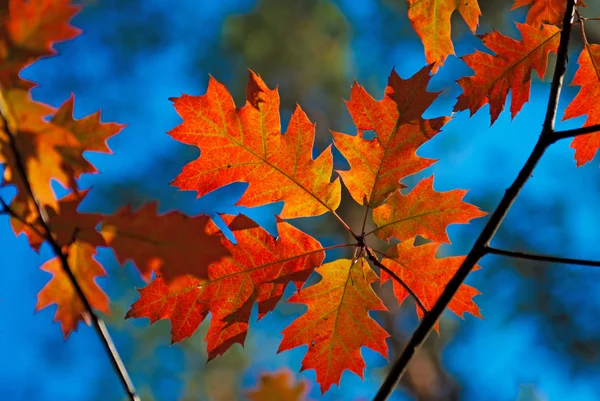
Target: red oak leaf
337, 323
423, 212
543, 11
431, 20
277, 167
427, 276
510, 69
170, 244
258, 271
60, 291
585, 103
378, 165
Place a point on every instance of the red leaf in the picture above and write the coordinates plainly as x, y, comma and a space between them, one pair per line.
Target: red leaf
431, 20
170, 244
378, 165
277, 167
60, 291
585, 103
427, 276
259, 270
509, 69
337, 323
423, 212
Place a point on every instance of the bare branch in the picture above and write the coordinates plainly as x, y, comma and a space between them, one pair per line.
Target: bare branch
572, 133
541, 258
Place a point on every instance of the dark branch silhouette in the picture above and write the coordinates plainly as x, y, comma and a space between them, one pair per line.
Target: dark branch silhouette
542, 258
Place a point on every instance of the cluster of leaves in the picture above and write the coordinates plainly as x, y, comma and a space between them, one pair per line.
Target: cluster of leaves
198, 269
513, 61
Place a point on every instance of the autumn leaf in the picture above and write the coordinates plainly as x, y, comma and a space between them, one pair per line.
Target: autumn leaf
423, 212
66, 226
510, 69
337, 323
258, 270
31, 29
170, 244
585, 103
427, 276
277, 167
431, 21
377, 165
60, 291
279, 386
90, 134
543, 11
48, 150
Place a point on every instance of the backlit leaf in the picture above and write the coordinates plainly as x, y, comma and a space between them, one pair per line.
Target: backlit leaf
423, 212
427, 276
258, 271
509, 70
431, 20
337, 323
277, 167
586, 103
59, 290
377, 165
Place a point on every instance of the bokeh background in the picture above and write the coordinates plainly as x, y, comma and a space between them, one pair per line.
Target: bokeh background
540, 339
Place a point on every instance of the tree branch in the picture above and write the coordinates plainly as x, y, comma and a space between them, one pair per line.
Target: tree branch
97, 321
479, 248
572, 133
377, 263
541, 258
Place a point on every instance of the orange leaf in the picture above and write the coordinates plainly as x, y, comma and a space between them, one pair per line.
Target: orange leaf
431, 21
427, 276
60, 291
31, 29
279, 386
543, 11
259, 270
378, 165
337, 322
170, 244
49, 150
246, 145
585, 103
423, 212
509, 69
65, 226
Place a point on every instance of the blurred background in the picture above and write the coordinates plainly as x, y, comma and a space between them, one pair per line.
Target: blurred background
540, 339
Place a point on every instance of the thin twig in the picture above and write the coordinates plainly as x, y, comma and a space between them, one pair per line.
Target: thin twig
572, 133
377, 263
542, 258
8, 210
478, 250
97, 321
343, 223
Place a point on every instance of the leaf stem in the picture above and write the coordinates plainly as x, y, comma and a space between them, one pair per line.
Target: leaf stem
96, 320
343, 223
479, 248
541, 258
383, 267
